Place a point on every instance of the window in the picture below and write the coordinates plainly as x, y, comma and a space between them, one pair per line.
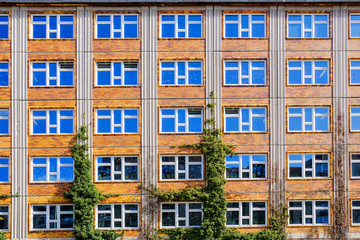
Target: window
4, 218
52, 26
110, 121
309, 212
181, 73
355, 118
181, 168
4, 122
52, 217
52, 169
308, 25
115, 216
315, 165
355, 165
246, 214
4, 170
246, 167
125, 168
4, 26
52, 121
354, 25
245, 73
181, 26
245, 119
354, 72
245, 25
4, 74
308, 72
117, 73
181, 215
308, 119
52, 74
355, 206
181, 120
117, 26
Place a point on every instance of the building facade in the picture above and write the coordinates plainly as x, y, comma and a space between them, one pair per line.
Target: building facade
286, 79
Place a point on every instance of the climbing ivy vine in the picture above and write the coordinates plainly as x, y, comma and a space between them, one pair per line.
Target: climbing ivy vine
84, 194
213, 196
2, 236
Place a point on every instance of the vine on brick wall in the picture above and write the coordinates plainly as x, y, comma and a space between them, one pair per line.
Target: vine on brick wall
2, 236
213, 196
84, 194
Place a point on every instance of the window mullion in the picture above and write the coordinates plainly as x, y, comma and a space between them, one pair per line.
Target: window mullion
313, 81
313, 119
58, 126
58, 169
303, 119
57, 26
303, 163
186, 72
312, 25
57, 74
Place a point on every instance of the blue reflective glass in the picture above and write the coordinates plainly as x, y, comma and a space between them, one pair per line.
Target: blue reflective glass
117, 22
181, 22
195, 30
231, 17
4, 78
355, 110
245, 68
66, 174
322, 110
245, 117
52, 22
100, 18
258, 30
321, 77
321, 124
308, 114
231, 64
53, 117
168, 77
117, 116
232, 158
4, 31
168, 18
39, 18
195, 124
103, 78
131, 112
66, 126
53, 165
261, 158
168, 30
39, 113
66, 78
321, 30
39, 174
258, 111
355, 17
181, 115
258, 77
4, 174
66, 18
295, 110
131, 78
195, 77
168, 125
294, 30
355, 30
130, 30
321, 17
257, 17
39, 78
322, 217
194, 18
231, 30
355, 123
231, 77
4, 161
103, 30
168, 112
244, 22
294, 76
258, 124
232, 124
294, 18
117, 69
104, 126
66, 31
39, 31
66, 160
39, 126
132, 18
307, 22
295, 124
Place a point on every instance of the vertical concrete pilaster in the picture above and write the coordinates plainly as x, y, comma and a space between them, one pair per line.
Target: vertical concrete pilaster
19, 116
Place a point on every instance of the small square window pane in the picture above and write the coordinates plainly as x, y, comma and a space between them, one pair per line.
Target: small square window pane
295, 217
168, 30
131, 30
103, 30
131, 125
294, 30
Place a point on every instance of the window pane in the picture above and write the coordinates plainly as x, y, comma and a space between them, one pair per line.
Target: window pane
104, 220
295, 124
66, 220
4, 222
131, 125
168, 30
39, 221
195, 124
258, 124
321, 30
321, 169
295, 170
355, 123
322, 217
131, 78
231, 30
39, 31
294, 30
259, 170
232, 218
232, 124
295, 217
195, 171
168, 219
194, 30
355, 29
131, 173
195, 218
321, 123
66, 126
168, 171
66, 174
66, 78
103, 78
4, 174
66, 31
131, 220
356, 215
104, 173
195, 77
259, 217
168, 125
131, 30
258, 30
355, 169
104, 126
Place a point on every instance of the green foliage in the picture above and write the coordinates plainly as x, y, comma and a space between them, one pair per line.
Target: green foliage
2, 236
9, 196
84, 194
213, 196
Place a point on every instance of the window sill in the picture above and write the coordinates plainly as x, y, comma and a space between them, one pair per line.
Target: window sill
117, 182
115, 134
308, 179
53, 135
308, 85
182, 133
56, 183
159, 39
245, 38
299, 38
246, 132
51, 39
102, 39
247, 180
309, 225
122, 86
247, 85
167, 86
317, 132
50, 87
181, 181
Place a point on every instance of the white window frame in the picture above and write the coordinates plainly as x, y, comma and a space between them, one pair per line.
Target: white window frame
302, 69
313, 167
6, 118
250, 217
187, 169
351, 162
312, 30
312, 123
5, 214
112, 119
47, 71
111, 22
238, 22
313, 215
354, 68
175, 22
47, 23
187, 117
240, 76
112, 74
352, 213
48, 173
353, 21
6, 70
250, 170
6, 166
177, 218
6, 23
113, 219
239, 115
47, 118
177, 77
48, 221
112, 167
353, 115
